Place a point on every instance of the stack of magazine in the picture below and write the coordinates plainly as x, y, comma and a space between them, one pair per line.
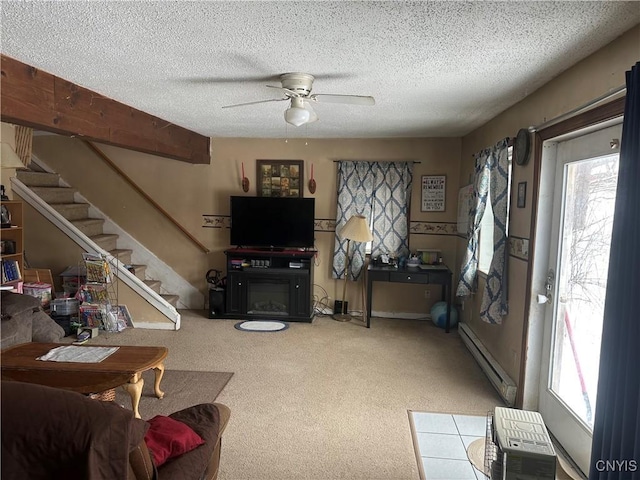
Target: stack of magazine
98, 308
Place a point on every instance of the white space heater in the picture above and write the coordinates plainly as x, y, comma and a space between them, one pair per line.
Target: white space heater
518, 446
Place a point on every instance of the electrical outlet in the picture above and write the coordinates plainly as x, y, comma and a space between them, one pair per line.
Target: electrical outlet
427, 294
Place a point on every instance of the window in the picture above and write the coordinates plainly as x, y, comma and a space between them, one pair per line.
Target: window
367, 248
485, 241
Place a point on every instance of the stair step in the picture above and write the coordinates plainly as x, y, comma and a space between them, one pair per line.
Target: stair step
38, 179
172, 299
34, 167
53, 195
47, 187
153, 285
122, 254
139, 270
72, 211
89, 226
108, 241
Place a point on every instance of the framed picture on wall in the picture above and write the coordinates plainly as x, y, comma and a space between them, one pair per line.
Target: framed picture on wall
433, 193
279, 178
522, 194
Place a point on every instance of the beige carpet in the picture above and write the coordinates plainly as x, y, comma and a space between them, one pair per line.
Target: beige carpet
325, 400
181, 389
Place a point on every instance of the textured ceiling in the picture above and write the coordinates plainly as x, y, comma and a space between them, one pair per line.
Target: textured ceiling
434, 68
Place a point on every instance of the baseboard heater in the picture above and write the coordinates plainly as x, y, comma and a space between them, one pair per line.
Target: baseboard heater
496, 374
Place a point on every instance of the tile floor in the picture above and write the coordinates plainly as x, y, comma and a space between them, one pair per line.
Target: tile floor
443, 440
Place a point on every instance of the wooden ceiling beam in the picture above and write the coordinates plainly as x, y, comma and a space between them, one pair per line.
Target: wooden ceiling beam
37, 99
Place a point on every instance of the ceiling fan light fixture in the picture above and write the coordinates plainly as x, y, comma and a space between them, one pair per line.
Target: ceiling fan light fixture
313, 116
296, 114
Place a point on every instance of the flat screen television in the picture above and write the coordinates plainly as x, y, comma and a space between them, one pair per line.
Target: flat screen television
272, 222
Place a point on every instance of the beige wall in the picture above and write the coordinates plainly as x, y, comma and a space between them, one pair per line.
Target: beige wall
187, 192
47, 247
436, 156
176, 186
596, 75
8, 135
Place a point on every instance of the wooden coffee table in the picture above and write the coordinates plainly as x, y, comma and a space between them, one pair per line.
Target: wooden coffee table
123, 368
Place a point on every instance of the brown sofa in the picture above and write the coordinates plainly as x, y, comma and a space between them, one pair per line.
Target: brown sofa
49, 433
23, 320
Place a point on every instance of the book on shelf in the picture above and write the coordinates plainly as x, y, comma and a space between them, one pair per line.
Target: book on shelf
13, 287
10, 271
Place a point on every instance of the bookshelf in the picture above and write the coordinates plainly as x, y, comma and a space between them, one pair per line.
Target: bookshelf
12, 251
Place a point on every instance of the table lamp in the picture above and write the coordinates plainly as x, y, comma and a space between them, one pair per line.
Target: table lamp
355, 229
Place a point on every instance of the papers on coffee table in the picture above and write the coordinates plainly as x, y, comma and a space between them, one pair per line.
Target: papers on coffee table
76, 354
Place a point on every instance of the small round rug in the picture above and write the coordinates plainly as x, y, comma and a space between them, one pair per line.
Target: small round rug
475, 452
262, 326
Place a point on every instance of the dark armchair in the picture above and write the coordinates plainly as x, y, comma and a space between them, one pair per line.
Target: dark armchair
49, 433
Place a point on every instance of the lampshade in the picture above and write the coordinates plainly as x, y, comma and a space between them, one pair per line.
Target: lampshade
9, 158
296, 114
356, 229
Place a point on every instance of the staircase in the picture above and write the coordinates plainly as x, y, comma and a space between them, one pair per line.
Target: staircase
51, 190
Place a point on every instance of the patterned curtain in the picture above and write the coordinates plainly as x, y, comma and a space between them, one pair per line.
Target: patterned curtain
355, 196
391, 201
494, 299
385, 188
468, 283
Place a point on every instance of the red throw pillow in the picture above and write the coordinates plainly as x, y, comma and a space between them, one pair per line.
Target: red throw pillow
167, 438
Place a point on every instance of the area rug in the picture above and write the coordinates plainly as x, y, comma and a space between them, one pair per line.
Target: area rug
476, 454
262, 326
181, 389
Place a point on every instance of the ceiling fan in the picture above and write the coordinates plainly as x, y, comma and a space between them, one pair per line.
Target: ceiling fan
296, 88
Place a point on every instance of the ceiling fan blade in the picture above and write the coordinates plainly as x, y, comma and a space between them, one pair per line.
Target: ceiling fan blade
254, 78
350, 99
285, 90
253, 103
238, 79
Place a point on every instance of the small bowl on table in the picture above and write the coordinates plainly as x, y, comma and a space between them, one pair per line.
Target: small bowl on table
413, 262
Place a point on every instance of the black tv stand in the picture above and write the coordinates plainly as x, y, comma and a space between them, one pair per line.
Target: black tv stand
272, 284
271, 249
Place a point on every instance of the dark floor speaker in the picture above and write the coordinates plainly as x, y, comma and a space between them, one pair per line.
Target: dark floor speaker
337, 307
216, 302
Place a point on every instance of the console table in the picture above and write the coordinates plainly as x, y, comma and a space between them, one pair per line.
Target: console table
432, 274
270, 284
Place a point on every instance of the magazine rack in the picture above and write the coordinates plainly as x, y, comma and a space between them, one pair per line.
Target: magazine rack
98, 294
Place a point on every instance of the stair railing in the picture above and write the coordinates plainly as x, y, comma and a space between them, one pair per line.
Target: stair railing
137, 188
88, 245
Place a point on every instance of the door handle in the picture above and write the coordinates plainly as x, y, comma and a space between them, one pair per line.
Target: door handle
547, 297
542, 299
